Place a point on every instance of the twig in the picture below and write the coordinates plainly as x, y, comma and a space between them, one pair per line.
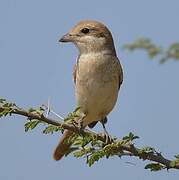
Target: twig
127, 149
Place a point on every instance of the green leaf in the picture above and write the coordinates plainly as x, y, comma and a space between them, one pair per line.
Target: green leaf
81, 141
51, 129
130, 137
95, 157
147, 149
154, 166
72, 138
31, 124
6, 108
71, 116
78, 154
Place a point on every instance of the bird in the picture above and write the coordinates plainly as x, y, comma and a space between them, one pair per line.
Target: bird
97, 76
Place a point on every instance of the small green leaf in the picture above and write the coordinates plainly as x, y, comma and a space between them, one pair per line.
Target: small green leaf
6, 108
95, 157
78, 154
31, 125
154, 166
51, 129
72, 138
71, 116
147, 149
130, 137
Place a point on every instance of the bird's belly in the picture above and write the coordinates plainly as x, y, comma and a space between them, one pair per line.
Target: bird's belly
96, 96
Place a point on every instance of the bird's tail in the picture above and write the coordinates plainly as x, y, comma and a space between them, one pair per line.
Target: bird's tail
63, 146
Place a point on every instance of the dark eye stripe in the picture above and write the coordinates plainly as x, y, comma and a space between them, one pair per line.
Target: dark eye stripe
85, 30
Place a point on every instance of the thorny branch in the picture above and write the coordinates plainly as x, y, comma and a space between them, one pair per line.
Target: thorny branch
119, 147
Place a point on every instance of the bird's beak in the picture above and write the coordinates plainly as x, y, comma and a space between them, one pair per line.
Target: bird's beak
67, 38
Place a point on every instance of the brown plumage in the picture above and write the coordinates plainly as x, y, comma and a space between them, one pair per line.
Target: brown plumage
62, 146
97, 76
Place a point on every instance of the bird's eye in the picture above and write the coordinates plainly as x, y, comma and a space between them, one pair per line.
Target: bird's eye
85, 30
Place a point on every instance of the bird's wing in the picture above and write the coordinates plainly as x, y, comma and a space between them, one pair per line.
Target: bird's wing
74, 73
75, 67
120, 73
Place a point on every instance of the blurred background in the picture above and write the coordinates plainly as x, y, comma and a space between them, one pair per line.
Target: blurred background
34, 67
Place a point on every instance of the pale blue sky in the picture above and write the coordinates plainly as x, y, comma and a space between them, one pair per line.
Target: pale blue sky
34, 66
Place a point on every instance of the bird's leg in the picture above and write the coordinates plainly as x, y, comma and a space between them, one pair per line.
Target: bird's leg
106, 134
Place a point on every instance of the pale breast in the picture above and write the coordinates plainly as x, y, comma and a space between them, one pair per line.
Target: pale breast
97, 83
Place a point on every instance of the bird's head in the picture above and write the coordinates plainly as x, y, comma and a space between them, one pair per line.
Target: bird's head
90, 36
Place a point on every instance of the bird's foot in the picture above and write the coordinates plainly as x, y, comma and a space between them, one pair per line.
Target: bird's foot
107, 137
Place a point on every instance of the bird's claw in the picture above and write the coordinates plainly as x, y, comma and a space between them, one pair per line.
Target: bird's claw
107, 137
